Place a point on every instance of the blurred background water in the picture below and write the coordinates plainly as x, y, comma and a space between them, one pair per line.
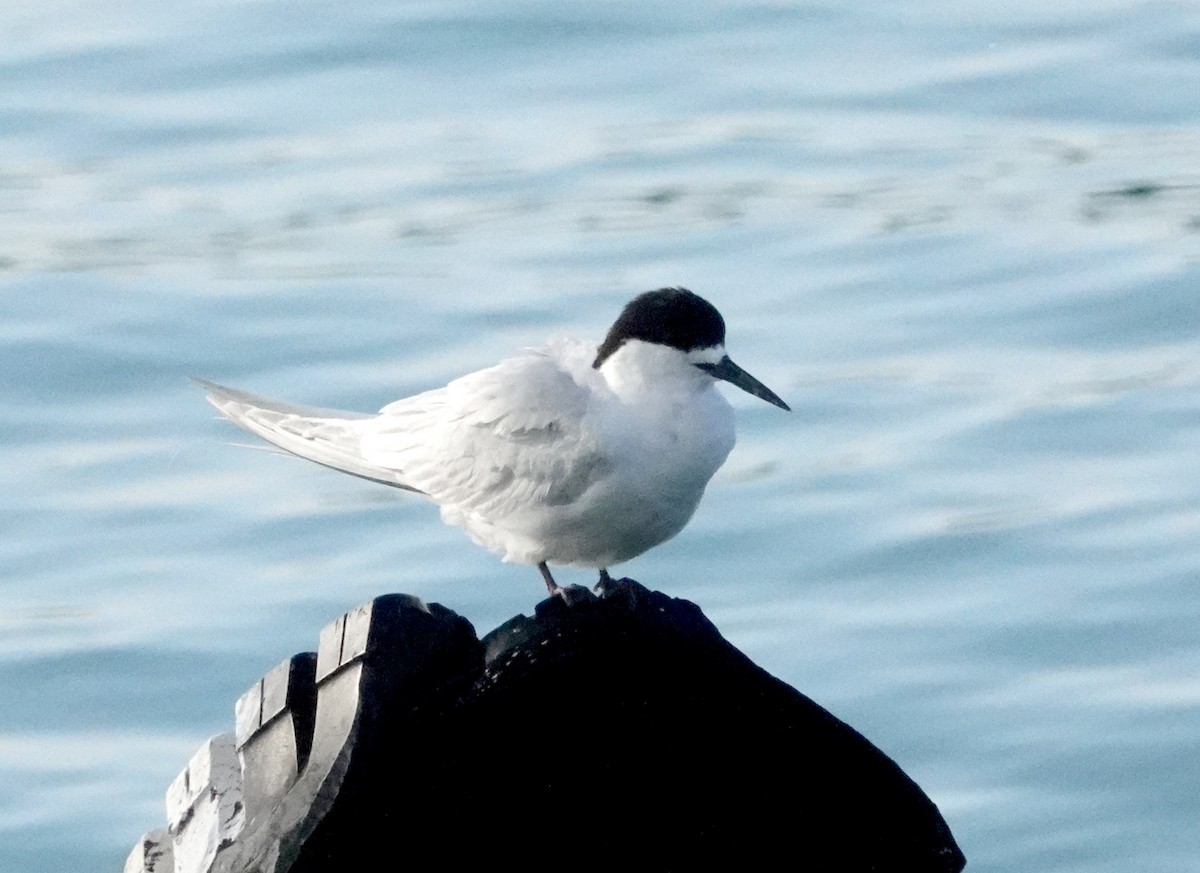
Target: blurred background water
961, 239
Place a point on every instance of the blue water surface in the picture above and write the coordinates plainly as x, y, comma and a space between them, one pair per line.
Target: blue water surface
962, 240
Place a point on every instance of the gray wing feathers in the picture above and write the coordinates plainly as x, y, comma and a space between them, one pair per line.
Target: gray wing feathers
495, 441
331, 437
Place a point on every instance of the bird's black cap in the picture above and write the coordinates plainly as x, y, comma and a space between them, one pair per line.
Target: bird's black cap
669, 316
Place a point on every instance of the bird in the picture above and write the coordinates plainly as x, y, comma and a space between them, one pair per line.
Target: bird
572, 454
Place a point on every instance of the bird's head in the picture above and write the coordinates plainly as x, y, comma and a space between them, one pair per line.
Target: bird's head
681, 328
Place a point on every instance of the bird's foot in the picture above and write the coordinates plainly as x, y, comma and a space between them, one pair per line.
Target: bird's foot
573, 594
608, 583
569, 594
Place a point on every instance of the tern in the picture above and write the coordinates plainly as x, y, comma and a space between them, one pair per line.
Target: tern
572, 454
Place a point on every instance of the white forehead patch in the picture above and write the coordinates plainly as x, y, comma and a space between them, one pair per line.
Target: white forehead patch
710, 355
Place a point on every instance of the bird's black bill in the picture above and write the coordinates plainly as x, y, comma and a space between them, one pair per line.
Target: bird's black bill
735, 375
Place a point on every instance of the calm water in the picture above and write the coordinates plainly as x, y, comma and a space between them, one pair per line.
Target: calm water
961, 239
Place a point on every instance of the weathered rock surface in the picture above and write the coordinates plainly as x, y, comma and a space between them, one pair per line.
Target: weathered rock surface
621, 729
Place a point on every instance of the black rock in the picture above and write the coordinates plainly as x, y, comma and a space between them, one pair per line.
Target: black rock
616, 728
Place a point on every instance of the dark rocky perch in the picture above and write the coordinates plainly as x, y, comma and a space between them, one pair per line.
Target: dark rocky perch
619, 730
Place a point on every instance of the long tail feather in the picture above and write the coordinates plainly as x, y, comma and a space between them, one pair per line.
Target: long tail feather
326, 436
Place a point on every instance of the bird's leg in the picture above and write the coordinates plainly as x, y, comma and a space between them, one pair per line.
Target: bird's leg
551, 585
605, 579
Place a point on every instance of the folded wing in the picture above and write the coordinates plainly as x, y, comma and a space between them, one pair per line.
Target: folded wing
327, 436
514, 437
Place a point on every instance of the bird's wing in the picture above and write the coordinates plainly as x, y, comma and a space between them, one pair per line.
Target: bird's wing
327, 436
516, 434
